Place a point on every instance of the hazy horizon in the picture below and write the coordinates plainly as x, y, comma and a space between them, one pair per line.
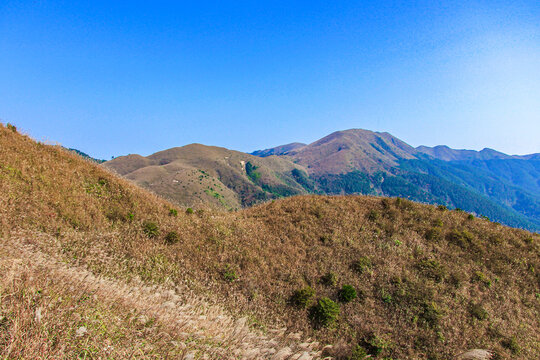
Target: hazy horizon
111, 79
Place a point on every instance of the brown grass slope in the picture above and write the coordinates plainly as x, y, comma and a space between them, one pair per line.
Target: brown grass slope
431, 283
279, 150
199, 175
83, 275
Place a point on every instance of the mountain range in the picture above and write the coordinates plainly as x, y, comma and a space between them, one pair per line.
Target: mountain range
504, 188
93, 266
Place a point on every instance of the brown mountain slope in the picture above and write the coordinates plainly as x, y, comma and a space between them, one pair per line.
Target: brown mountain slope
197, 174
355, 149
279, 150
98, 253
85, 271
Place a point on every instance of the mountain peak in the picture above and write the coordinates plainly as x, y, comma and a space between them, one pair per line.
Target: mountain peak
353, 149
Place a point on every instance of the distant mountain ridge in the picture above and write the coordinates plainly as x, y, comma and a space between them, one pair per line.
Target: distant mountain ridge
505, 188
443, 152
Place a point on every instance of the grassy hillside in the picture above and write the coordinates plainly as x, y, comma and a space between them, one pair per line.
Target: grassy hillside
501, 187
96, 265
199, 175
93, 266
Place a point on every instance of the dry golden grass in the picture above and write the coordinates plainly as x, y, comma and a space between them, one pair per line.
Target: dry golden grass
438, 285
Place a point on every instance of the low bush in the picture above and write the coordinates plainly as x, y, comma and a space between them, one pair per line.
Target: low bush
173, 212
302, 298
462, 238
151, 229
229, 274
433, 234
362, 265
189, 211
325, 313
376, 345
373, 215
329, 279
172, 237
359, 353
431, 269
512, 345
347, 294
11, 127
479, 276
478, 312
431, 314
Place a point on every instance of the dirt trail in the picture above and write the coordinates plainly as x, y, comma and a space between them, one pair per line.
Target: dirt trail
221, 336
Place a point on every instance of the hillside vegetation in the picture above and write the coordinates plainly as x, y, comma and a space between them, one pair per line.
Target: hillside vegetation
198, 175
487, 183
97, 266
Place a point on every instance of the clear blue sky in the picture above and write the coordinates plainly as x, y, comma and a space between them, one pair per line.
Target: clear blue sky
113, 78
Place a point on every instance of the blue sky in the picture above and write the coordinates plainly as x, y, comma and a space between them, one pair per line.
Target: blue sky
114, 78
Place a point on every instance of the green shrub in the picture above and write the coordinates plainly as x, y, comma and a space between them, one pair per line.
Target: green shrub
325, 312
189, 211
151, 229
362, 265
442, 207
376, 345
373, 215
470, 217
359, 353
479, 276
251, 173
478, 312
347, 294
430, 314
11, 127
302, 298
461, 238
329, 279
404, 204
433, 234
172, 237
512, 345
173, 212
229, 274
386, 296
432, 269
